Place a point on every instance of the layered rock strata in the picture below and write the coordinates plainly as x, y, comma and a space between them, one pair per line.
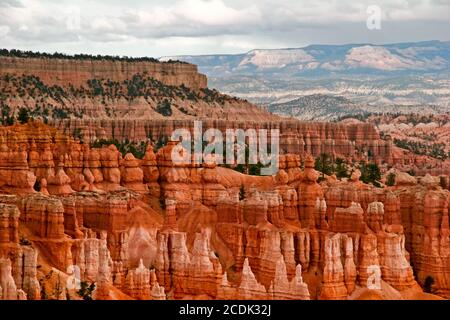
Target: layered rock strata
100, 219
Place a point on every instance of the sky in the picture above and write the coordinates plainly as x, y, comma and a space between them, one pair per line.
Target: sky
189, 27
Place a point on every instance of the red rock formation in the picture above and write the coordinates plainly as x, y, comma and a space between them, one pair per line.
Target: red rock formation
349, 264
150, 171
345, 140
137, 283
310, 191
195, 273
349, 219
64, 71
171, 260
15, 176
8, 288
333, 284
248, 289
204, 272
92, 257
59, 184
425, 219
283, 289
110, 160
287, 237
395, 267
44, 216
26, 272
141, 283
157, 291
132, 176
375, 216
9, 224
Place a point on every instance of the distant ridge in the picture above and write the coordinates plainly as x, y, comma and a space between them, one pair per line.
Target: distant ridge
410, 73
316, 59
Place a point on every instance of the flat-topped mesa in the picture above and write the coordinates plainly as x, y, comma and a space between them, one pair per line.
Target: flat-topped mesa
63, 71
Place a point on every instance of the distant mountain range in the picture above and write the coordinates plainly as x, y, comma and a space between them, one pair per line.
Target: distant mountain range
402, 73
429, 56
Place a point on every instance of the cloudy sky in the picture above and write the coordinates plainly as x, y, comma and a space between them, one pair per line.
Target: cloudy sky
173, 27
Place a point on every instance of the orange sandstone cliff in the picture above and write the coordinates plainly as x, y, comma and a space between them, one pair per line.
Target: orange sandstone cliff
151, 229
64, 72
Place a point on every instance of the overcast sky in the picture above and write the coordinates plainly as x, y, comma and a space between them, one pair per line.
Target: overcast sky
174, 27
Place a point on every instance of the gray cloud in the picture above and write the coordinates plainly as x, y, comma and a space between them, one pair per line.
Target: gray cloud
10, 3
171, 27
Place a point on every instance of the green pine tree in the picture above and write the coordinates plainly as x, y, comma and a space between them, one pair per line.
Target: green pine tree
23, 116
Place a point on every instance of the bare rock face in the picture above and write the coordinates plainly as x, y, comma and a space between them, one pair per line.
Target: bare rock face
43, 215
93, 258
375, 216
59, 184
8, 287
311, 191
138, 283
26, 272
158, 292
368, 262
289, 199
349, 219
283, 289
9, 224
14, 171
349, 264
248, 289
344, 140
231, 230
263, 250
63, 71
18, 274
110, 161
404, 179
154, 229
132, 176
392, 213
395, 267
172, 259
150, 172
194, 273
425, 218
333, 284
204, 270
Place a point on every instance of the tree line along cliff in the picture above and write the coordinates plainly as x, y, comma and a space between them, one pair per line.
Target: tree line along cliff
59, 69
